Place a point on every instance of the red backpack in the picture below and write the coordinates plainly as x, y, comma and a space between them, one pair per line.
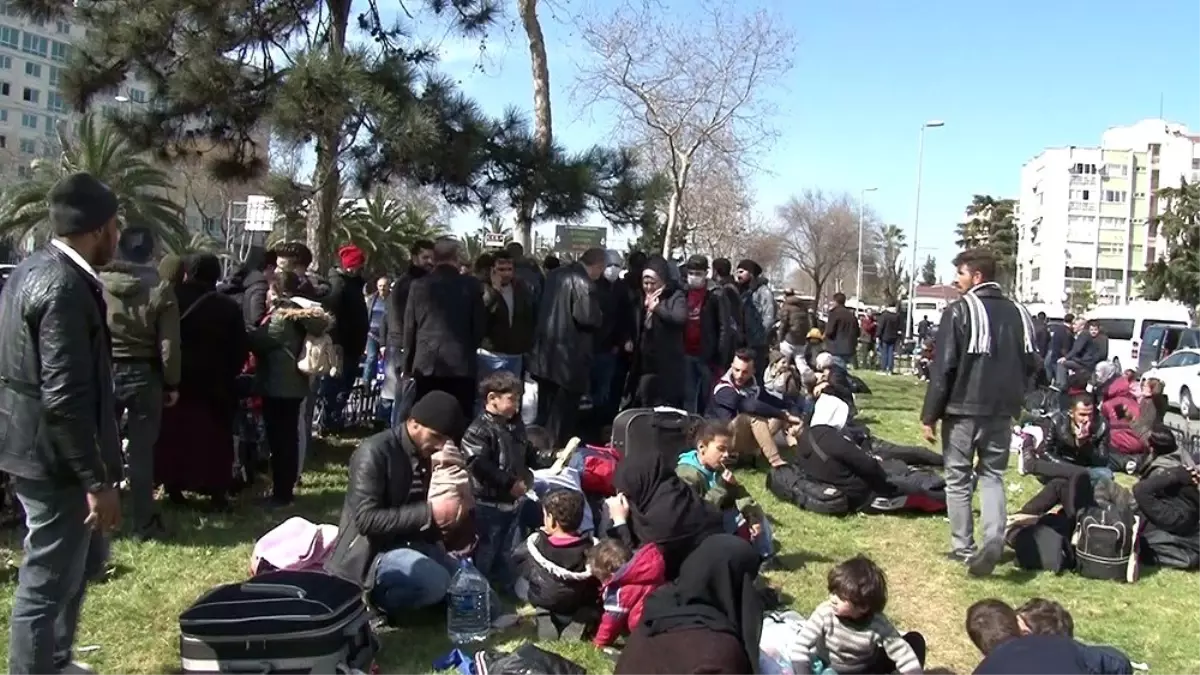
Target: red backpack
596, 465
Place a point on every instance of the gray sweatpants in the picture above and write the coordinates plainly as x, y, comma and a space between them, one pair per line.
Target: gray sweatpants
975, 447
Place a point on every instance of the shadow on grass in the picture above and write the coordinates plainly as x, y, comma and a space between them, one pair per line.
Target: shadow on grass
796, 560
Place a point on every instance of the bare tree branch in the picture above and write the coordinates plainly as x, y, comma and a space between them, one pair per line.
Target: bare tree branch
820, 234
684, 79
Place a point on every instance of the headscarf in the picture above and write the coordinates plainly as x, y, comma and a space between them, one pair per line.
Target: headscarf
715, 591
663, 510
829, 411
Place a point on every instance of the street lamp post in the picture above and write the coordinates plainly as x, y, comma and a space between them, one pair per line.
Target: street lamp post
858, 272
912, 273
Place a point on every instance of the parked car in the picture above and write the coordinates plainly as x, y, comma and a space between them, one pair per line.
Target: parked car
1180, 375
1162, 340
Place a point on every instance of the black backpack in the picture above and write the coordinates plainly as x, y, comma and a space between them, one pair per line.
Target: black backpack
790, 484
1106, 535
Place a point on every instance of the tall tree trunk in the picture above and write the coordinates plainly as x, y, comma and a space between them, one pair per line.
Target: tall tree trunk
672, 219
327, 176
543, 135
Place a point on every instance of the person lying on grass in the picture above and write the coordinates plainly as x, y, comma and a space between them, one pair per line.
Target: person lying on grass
995, 629
704, 471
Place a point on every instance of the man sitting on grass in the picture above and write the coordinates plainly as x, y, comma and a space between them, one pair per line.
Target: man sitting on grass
390, 536
752, 415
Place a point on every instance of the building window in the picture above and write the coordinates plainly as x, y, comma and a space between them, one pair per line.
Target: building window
1108, 274
32, 44
1139, 195
32, 69
30, 95
24, 172
1116, 196
1035, 274
55, 102
1077, 273
1195, 163
1111, 223
3, 141
55, 75
6, 62
59, 51
3, 117
10, 37
28, 146
28, 121
137, 95
1087, 169
63, 27
1117, 170
51, 125
5, 88
1111, 249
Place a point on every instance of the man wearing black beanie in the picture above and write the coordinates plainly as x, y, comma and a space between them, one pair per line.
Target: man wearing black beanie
390, 535
58, 429
758, 310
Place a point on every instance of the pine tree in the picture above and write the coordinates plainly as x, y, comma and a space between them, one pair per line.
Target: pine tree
992, 224
1176, 275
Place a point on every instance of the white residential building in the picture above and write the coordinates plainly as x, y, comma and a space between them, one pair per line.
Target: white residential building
1084, 213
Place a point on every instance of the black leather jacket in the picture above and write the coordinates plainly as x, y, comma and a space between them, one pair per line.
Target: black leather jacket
57, 409
979, 385
385, 505
498, 455
1059, 443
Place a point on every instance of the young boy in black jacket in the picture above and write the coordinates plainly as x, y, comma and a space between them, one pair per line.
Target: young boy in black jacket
500, 459
553, 564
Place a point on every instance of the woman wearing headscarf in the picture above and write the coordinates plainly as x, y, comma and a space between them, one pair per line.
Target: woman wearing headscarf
659, 363
653, 506
709, 620
195, 448
829, 457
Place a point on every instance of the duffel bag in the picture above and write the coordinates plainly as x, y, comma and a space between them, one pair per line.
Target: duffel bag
791, 485
289, 621
662, 429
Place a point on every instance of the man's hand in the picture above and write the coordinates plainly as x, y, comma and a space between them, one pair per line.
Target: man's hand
629, 346
445, 511
794, 420
519, 489
728, 477
755, 530
170, 399
1062, 359
929, 433
1195, 472
104, 510
618, 507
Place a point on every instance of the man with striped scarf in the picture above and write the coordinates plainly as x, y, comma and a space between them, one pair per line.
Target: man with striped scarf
984, 359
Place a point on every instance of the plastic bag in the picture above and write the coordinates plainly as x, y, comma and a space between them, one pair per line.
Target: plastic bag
529, 402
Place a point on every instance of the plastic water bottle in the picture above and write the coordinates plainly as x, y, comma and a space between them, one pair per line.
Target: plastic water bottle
468, 610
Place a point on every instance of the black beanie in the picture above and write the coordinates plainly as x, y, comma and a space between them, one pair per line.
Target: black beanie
750, 266
440, 412
80, 204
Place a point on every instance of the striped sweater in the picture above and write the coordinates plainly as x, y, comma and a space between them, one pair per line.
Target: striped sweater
850, 647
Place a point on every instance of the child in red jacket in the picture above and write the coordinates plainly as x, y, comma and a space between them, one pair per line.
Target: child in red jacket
626, 578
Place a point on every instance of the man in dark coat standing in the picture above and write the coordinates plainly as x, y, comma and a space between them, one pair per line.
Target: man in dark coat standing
348, 306
420, 262
58, 427
444, 324
561, 362
841, 331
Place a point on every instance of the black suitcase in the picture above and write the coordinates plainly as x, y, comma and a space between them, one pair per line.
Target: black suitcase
669, 430
279, 622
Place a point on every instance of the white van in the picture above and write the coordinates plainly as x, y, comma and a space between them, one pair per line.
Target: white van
1125, 326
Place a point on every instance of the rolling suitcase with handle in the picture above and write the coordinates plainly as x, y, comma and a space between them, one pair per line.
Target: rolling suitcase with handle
669, 430
279, 622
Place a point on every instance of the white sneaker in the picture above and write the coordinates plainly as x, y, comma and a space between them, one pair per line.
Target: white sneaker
77, 667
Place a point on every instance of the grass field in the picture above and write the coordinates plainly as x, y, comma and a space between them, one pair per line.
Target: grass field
132, 616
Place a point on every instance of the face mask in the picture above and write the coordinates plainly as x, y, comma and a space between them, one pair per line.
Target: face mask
612, 272
696, 280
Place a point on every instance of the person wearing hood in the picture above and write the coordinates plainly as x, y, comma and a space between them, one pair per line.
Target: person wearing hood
248, 285
758, 306
658, 359
275, 342
1169, 501
143, 319
709, 335
348, 306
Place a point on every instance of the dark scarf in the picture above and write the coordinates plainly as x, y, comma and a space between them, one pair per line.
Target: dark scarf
663, 509
715, 592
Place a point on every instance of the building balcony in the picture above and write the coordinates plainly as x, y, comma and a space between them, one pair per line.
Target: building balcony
1082, 207
1083, 179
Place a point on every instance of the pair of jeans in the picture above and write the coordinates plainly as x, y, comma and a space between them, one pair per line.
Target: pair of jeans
984, 442
499, 530
764, 543
414, 577
887, 356
281, 417
371, 361
604, 369
697, 384
1063, 372
61, 555
139, 392
558, 410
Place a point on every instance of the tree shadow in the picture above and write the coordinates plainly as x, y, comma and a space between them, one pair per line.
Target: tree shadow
797, 560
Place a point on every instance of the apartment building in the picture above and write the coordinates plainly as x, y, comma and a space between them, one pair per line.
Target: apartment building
1084, 213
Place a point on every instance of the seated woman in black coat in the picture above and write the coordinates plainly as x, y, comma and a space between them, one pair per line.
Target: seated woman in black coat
653, 506
709, 620
1169, 501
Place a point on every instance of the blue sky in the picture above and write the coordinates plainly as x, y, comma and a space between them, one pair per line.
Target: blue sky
1007, 78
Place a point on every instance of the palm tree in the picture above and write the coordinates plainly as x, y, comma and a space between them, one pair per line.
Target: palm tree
99, 149
385, 227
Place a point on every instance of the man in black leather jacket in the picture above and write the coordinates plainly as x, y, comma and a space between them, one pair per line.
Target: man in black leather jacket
983, 357
389, 532
58, 428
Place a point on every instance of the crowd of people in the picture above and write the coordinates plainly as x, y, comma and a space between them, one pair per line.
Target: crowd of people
103, 346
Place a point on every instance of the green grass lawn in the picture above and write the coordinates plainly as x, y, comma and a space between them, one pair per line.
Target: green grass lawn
132, 617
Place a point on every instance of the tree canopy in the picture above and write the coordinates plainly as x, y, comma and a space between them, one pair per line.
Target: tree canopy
991, 223
1175, 275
